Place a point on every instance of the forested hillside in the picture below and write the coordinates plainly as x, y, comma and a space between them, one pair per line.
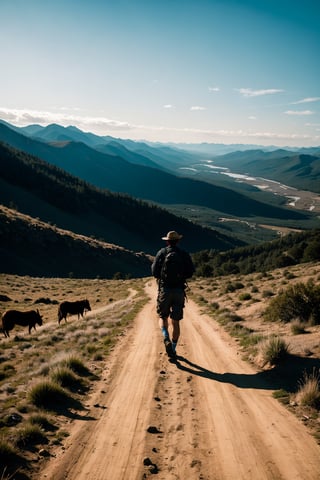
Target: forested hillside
36, 188
289, 250
29, 246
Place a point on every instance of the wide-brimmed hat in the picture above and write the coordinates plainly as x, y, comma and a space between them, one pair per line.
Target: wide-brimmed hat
172, 235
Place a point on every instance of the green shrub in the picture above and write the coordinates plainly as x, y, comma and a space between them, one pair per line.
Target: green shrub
267, 293
91, 348
289, 275
274, 350
301, 301
250, 340
225, 316
232, 287
244, 297
229, 288
215, 306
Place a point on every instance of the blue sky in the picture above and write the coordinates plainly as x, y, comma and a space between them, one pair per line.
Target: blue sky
165, 70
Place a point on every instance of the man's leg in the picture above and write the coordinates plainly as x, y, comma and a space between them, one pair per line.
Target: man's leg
163, 324
175, 334
163, 310
176, 316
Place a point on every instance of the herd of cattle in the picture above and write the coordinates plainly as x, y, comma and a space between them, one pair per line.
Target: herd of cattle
31, 318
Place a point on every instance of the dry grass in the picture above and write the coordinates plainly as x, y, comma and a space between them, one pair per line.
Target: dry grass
221, 298
243, 318
71, 356
309, 390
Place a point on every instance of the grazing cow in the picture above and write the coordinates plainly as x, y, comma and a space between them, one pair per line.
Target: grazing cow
72, 308
10, 318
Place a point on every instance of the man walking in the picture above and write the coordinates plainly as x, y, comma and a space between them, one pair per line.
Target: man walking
171, 267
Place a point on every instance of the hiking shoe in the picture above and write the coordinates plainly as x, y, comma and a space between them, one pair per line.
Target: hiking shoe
168, 346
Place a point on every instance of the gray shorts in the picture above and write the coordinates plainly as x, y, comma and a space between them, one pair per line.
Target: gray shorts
170, 303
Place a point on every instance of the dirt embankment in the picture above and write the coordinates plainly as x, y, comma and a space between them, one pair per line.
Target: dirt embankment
208, 416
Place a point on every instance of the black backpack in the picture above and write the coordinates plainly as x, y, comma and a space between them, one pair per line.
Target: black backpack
172, 270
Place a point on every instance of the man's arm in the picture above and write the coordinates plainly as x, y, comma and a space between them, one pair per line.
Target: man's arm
157, 264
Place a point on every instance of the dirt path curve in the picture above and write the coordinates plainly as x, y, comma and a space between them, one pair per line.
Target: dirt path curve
211, 416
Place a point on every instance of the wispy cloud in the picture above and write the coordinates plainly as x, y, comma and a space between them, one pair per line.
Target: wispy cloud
168, 106
306, 100
27, 117
299, 112
243, 134
249, 92
197, 108
214, 89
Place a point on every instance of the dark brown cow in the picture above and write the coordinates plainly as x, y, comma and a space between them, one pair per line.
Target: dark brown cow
72, 308
10, 318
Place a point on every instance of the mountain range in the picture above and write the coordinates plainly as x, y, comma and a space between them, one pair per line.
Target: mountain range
56, 201
120, 192
118, 174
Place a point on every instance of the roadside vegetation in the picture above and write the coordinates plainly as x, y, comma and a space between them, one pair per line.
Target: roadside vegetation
46, 376
273, 317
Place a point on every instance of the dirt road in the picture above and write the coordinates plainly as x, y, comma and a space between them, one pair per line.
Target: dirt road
208, 416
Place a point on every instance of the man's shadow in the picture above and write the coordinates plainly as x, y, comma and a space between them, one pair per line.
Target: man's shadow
285, 376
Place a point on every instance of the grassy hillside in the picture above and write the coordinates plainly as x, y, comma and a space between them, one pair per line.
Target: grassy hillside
29, 246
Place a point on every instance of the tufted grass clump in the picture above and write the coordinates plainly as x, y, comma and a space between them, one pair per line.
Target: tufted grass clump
48, 394
274, 350
42, 421
29, 434
76, 365
233, 286
10, 461
244, 297
65, 377
309, 390
7, 452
